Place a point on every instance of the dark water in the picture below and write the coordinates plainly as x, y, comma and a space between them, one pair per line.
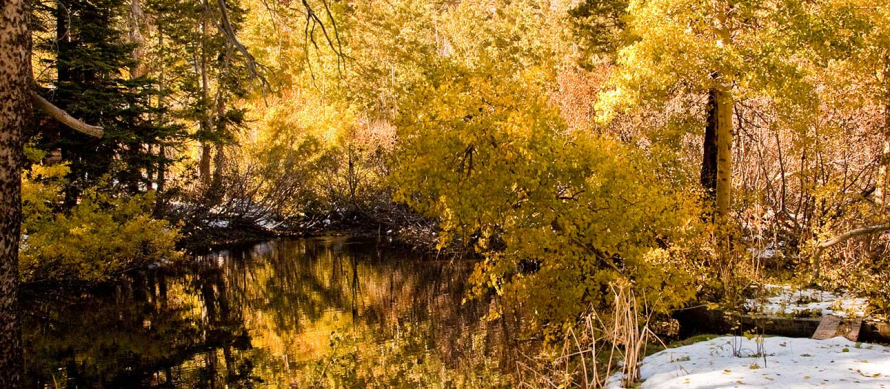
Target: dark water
307, 313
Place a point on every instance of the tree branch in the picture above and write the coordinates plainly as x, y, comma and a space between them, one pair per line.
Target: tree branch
844, 237
252, 68
63, 117
313, 20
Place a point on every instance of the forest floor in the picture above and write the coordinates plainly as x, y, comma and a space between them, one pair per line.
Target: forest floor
769, 362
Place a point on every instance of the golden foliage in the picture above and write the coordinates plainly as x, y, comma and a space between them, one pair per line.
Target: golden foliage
95, 240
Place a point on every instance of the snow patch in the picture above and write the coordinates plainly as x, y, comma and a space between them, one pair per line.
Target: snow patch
268, 223
218, 223
790, 363
786, 300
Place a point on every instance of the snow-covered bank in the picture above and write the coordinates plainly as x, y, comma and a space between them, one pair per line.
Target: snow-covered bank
790, 363
788, 301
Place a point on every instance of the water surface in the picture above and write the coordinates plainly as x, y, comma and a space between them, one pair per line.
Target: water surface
299, 313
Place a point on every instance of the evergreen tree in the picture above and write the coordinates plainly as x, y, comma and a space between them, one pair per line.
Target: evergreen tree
200, 66
93, 82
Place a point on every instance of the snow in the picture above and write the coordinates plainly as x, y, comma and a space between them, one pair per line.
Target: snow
268, 224
218, 223
766, 253
790, 363
807, 302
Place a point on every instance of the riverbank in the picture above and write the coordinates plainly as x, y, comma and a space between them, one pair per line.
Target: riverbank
773, 362
395, 224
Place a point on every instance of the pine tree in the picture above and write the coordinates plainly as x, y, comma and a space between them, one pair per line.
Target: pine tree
93, 82
201, 67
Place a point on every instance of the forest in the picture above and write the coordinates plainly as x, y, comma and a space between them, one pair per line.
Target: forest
444, 193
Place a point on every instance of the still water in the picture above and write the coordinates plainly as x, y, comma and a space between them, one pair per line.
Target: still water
298, 313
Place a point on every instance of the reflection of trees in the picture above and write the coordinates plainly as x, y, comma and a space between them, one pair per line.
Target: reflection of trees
276, 315
379, 296
357, 279
147, 331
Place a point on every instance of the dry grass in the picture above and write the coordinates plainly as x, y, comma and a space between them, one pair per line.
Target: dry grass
597, 347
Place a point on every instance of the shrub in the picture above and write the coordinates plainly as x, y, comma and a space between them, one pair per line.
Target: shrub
97, 239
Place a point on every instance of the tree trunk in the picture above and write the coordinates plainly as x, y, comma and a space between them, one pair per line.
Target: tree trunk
135, 36
162, 151
219, 160
881, 185
709, 157
822, 246
162, 169
206, 125
724, 153
63, 71
351, 178
724, 124
64, 117
64, 78
15, 109
204, 164
63, 45
222, 130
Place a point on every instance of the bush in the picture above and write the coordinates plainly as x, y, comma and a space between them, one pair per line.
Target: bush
97, 239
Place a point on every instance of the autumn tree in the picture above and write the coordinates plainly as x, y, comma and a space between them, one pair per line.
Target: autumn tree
482, 147
686, 47
849, 40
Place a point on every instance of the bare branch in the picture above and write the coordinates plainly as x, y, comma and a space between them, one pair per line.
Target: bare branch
845, 236
63, 117
334, 42
252, 68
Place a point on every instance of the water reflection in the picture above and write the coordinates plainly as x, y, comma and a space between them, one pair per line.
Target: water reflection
308, 313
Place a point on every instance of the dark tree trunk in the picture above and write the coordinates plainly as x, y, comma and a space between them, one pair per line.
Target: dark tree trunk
15, 108
162, 151
219, 163
63, 44
206, 124
709, 157
219, 160
64, 79
63, 83
162, 168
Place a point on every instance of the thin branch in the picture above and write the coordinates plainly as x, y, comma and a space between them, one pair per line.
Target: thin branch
252, 67
334, 42
63, 117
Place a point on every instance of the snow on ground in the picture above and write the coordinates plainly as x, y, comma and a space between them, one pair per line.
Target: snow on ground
790, 363
786, 300
218, 223
268, 223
